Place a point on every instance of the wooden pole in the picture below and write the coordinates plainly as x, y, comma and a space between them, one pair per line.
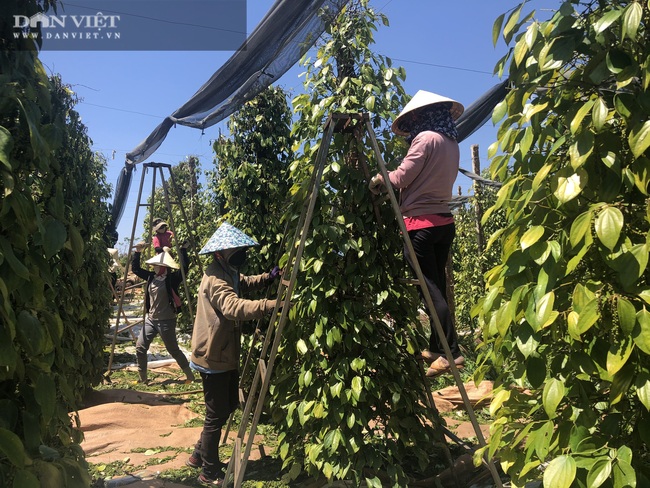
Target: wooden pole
451, 300
476, 168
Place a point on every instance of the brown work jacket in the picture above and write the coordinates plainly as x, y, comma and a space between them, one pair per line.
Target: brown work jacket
216, 334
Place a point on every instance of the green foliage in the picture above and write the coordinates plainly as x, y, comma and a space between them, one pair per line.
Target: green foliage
470, 263
566, 312
54, 269
251, 172
347, 390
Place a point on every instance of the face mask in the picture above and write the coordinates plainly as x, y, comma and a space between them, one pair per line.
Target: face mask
238, 258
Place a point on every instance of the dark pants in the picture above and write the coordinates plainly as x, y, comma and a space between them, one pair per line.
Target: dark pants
431, 246
220, 391
167, 331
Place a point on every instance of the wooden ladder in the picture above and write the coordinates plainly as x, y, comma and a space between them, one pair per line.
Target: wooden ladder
156, 168
336, 122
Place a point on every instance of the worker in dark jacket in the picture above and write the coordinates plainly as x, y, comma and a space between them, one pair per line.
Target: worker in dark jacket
161, 306
216, 338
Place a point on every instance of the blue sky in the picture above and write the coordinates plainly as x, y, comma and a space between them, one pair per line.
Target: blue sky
445, 47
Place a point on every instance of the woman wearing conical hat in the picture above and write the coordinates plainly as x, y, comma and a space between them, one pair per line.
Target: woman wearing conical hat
216, 338
161, 306
425, 179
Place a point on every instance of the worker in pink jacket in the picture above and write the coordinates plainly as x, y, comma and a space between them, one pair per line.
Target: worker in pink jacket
425, 179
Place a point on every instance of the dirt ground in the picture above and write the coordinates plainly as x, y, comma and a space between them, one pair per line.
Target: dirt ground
152, 432
148, 429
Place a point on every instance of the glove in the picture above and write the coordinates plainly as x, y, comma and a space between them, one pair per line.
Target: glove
376, 185
275, 272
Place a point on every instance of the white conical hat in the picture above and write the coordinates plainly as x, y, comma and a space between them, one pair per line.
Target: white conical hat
159, 225
424, 99
163, 259
114, 253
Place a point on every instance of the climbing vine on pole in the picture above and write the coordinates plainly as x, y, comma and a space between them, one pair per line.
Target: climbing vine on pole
469, 263
346, 394
54, 280
251, 178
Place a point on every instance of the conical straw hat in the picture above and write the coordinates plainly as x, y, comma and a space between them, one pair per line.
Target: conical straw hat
163, 259
425, 99
159, 225
227, 237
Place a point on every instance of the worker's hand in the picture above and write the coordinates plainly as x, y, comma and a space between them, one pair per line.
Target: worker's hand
270, 305
376, 185
140, 246
289, 306
275, 273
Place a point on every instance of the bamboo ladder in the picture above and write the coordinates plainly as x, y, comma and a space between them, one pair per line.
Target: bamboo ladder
156, 168
336, 122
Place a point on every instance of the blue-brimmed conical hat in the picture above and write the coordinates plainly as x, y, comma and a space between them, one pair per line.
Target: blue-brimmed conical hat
227, 237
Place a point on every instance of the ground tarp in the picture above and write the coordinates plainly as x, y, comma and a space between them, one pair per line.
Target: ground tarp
146, 430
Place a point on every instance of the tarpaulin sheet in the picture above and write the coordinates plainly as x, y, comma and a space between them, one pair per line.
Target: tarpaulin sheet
285, 33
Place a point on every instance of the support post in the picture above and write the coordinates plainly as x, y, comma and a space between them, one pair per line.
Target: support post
478, 206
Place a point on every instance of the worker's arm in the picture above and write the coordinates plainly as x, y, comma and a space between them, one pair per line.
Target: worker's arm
135, 265
223, 298
411, 166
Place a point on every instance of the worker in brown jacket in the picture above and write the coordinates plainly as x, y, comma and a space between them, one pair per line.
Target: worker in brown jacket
216, 338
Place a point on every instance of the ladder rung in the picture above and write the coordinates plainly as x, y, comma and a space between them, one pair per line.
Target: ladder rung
286, 283
409, 281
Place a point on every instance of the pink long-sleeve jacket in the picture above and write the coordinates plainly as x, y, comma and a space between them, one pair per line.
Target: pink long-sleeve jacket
426, 175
